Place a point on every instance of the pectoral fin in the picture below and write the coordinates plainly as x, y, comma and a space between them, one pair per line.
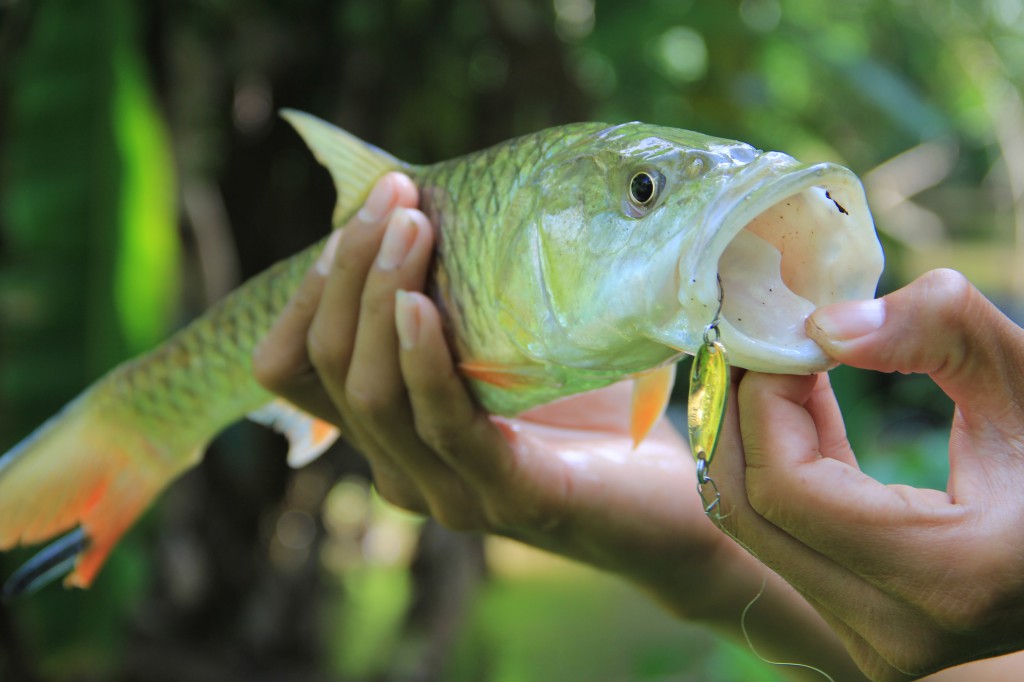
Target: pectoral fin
503, 376
307, 436
651, 391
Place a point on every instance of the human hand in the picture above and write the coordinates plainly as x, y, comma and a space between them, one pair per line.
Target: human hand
563, 477
912, 580
358, 346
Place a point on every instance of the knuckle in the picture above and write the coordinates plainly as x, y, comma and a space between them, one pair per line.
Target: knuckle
267, 370
763, 493
517, 507
323, 354
368, 404
355, 252
941, 305
456, 516
305, 302
279, 369
351, 262
516, 514
504, 518
441, 437
951, 292
946, 280
400, 495
378, 301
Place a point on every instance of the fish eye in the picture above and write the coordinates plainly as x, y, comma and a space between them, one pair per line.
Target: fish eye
642, 188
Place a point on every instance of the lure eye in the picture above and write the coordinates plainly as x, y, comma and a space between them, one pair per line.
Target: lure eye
641, 188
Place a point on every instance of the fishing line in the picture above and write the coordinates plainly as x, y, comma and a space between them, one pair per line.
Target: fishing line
709, 389
714, 513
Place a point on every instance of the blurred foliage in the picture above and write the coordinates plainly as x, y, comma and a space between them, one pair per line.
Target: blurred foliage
105, 242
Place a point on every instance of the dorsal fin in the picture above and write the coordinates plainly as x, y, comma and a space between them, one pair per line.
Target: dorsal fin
354, 165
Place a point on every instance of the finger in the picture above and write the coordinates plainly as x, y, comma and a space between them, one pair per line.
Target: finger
280, 361
824, 410
375, 388
375, 378
446, 417
939, 325
736, 470
828, 585
792, 483
836, 510
333, 330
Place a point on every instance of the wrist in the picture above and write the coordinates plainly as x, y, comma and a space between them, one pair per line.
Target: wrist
710, 588
702, 581
736, 596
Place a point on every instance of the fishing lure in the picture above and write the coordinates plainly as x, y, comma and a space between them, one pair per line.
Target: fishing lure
709, 391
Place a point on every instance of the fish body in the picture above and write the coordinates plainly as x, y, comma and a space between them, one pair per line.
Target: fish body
566, 260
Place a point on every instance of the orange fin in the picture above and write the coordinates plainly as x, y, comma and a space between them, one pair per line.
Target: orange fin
83, 468
502, 376
308, 436
651, 391
55, 559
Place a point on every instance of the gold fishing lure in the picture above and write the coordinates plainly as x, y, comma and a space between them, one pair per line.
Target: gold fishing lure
709, 391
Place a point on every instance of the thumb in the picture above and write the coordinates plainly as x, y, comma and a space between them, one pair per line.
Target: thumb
939, 325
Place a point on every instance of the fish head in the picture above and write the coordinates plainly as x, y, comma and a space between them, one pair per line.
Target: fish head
637, 237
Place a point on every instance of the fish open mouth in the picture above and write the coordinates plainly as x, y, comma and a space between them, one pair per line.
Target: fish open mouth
793, 243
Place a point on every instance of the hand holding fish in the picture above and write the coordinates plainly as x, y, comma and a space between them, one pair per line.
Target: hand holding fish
564, 262
563, 477
912, 580
555, 476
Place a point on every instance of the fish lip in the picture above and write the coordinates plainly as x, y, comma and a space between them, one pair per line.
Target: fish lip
766, 183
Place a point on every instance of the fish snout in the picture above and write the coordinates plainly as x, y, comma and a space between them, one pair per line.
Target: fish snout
780, 241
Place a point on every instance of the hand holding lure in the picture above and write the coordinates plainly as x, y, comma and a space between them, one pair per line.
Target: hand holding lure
709, 393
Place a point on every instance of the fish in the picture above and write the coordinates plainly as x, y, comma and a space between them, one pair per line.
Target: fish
566, 260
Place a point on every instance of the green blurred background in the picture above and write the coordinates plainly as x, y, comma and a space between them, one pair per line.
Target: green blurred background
143, 173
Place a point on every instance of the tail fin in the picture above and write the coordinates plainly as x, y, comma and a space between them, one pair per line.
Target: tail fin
83, 469
57, 559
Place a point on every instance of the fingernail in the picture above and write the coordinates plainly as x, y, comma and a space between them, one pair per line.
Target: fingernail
398, 240
378, 203
323, 263
846, 321
407, 319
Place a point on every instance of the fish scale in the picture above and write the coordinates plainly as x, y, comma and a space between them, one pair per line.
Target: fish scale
160, 410
552, 279
453, 188
201, 379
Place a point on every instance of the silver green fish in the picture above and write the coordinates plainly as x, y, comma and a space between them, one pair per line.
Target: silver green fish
567, 260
